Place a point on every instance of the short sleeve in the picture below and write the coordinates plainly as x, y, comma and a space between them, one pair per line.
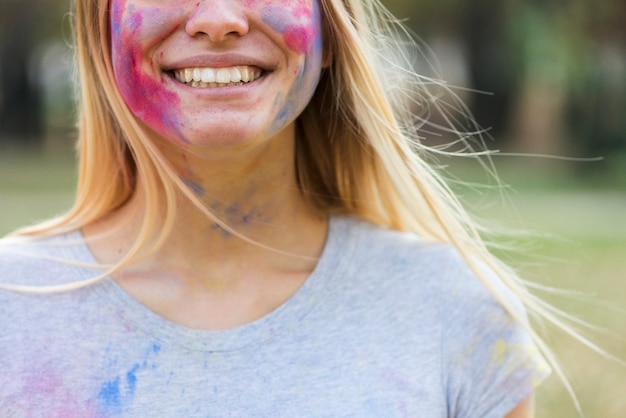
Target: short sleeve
491, 362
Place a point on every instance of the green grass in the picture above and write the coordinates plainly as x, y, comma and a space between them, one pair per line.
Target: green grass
34, 187
577, 241
574, 240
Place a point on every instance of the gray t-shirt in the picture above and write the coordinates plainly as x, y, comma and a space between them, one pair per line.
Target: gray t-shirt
386, 326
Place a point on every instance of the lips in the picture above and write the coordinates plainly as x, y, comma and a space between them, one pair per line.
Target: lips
204, 77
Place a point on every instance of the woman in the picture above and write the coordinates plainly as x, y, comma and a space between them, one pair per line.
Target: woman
254, 234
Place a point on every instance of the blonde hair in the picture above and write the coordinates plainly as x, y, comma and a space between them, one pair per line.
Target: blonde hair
357, 150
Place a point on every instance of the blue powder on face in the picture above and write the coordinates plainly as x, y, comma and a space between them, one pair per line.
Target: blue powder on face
276, 18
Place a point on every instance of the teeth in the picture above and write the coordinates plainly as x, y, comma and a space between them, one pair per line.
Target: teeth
235, 75
217, 77
208, 75
188, 74
222, 76
245, 74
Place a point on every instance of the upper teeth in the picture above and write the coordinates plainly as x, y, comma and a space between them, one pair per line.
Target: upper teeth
208, 77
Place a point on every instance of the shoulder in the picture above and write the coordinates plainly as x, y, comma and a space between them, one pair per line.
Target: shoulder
428, 293
402, 266
397, 271
404, 259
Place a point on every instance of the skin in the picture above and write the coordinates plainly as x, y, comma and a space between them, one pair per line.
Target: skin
525, 409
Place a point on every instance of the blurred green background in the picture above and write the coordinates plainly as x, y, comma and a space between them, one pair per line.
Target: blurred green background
555, 71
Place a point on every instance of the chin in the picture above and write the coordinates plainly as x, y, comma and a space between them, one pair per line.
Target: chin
221, 139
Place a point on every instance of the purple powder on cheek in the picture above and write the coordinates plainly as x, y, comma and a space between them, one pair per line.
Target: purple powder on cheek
309, 41
277, 18
297, 37
142, 92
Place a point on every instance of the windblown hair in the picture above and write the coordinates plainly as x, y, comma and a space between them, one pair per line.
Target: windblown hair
358, 149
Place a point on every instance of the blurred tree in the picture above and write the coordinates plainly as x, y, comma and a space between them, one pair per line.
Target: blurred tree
20, 110
556, 68
597, 97
494, 62
24, 26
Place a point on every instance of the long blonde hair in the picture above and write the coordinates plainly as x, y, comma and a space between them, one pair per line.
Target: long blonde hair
354, 153
358, 150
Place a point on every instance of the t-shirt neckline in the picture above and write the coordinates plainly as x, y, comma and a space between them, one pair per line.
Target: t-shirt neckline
336, 254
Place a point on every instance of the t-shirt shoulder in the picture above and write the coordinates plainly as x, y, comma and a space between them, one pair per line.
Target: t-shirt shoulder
406, 259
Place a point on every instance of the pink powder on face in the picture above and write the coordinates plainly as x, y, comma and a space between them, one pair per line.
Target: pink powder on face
139, 84
298, 38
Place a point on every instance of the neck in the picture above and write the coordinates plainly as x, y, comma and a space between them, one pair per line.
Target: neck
254, 195
203, 275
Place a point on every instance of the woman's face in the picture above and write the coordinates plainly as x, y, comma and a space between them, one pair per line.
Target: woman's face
216, 72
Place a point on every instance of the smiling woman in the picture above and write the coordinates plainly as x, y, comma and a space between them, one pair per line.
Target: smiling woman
256, 232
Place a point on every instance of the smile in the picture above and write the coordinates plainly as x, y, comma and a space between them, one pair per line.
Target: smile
217, 77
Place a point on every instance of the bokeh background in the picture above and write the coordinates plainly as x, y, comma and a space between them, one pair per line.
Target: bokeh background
553, 79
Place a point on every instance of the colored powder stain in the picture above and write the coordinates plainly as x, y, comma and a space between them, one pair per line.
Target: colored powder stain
148, 99
142, 93
135, 21
284, 112
276, 18
225, 233
298, 38
116, 19
44, 381
44, 387
300, 77
110, 396
131, 379
304, 11
292, 103
197, 189
115, 393
503, 353
500, 350
232, 211
304, 39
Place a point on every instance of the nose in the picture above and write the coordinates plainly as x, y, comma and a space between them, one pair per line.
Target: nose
217, 19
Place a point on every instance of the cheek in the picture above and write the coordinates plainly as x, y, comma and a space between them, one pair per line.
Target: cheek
296, 20
305, 39
139, 84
